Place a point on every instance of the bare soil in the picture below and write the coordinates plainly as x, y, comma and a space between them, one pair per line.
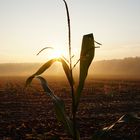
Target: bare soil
28, 114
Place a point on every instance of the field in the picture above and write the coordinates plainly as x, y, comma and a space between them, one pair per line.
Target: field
28, 114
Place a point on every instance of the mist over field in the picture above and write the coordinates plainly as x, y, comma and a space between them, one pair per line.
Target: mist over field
117, 68
122, 68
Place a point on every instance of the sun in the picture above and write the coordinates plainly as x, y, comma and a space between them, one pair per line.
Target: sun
55, 53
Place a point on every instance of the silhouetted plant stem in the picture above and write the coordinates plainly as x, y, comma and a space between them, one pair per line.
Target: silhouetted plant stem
70, 59
69, 32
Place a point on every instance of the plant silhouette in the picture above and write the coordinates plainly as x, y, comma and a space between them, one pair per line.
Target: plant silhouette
86, 57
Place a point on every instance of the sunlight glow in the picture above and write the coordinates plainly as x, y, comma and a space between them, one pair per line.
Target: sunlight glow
27, 26
55, 53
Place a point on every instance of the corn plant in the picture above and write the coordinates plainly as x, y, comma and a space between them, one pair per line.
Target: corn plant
86, 57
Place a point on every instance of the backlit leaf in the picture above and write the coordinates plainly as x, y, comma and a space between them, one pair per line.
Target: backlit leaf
29, 80
67, 71
86, 57
44, 49
45, 85
45, 67
59, 107
40, 71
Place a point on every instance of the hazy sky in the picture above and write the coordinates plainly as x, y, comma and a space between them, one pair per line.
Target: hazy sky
26, 26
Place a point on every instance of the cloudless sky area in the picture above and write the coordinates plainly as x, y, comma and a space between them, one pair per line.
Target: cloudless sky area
26, 26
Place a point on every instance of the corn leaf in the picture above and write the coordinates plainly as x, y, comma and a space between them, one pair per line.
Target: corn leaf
127, 118
44, 49
44, 85
105, 132
86, 57
40, 71
47, 65
67, 71
59, 107
29, 80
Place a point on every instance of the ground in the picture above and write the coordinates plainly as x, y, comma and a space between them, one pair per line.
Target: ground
28, 114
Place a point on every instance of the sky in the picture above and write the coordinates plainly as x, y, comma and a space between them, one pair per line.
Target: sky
27, 26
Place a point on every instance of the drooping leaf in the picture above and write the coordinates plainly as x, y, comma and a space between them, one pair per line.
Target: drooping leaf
45, 86
44, 49
67, 71
65, 59
86, 57
45, 67
29, 80
59, 107
40, 71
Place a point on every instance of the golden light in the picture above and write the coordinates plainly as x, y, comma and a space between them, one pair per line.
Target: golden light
55, 53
